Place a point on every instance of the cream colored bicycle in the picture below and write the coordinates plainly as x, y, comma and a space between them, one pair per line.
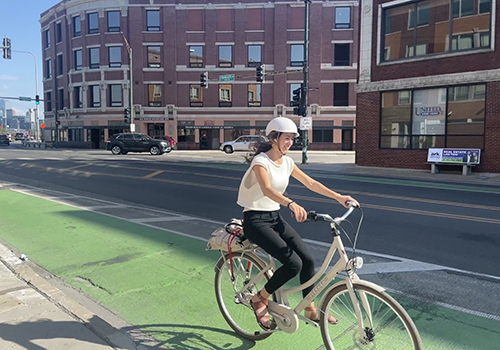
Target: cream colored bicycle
368, 317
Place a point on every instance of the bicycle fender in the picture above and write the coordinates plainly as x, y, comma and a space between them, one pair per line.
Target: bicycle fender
355, 282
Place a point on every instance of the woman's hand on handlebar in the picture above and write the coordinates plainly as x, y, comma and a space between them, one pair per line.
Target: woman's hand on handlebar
344, 200
298, 212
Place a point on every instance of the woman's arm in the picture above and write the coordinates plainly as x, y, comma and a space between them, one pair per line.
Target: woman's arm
318, 187
265, 186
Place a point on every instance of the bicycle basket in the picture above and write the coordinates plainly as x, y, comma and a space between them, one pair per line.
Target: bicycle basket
229, 237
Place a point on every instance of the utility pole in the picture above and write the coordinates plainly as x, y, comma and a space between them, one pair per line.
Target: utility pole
131, 93
305, 69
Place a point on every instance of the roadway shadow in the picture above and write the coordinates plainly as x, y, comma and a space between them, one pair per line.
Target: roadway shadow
187, 337
26, 334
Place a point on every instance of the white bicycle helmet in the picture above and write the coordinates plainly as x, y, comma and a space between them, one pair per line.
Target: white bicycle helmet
281, 124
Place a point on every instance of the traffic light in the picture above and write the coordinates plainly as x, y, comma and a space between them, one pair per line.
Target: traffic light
58, 122
6, 48
126, 115
204, 80
260, 72
297, 100
37, 99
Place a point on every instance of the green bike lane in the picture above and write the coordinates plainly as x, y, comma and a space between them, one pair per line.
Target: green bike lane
162, 282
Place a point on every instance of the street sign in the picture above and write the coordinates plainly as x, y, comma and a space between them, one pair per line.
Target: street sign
228, 77
306, 123
24, 98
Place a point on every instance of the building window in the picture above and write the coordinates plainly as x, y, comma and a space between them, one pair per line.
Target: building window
93, 23
60, 102
48, 101
58, 32
113, 21
342, 17
341, 94
60, 70
48, 69
423, 15
254, 55
342, 53
439, 117
115, 56
77, 91
115, 95
47, 38
322, 131
424, 28
195, 96
154, 95
297, 55
185, 131
195, 56
78, 59
95, 96
421, 50
153, 20
225, 95
94, 57
225, 56
484, 6
462, 8
154, 56
77, 26
254, 93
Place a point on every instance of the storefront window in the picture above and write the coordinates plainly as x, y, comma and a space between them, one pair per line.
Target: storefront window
442, 117
184, 132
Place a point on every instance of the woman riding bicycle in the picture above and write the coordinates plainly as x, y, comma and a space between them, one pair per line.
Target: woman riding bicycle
261, 194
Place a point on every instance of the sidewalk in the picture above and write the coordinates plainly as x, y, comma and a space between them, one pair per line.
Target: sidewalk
36, 315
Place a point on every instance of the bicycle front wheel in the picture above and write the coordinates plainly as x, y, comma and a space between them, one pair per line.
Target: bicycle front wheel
386, 325
234, 303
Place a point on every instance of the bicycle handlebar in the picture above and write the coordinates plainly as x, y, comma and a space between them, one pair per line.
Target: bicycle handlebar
313, 216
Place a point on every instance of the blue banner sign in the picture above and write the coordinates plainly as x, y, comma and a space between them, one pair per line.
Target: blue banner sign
454, 155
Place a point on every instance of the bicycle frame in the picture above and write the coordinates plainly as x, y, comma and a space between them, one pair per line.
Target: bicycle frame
341, 265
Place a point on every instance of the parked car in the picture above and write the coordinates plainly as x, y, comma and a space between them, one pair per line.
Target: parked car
4, 140
20, 136
172, 142
132, 142
242, 143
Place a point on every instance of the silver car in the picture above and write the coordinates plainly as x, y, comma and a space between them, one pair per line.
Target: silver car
242, 143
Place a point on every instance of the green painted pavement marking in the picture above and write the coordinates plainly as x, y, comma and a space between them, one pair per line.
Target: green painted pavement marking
163, 282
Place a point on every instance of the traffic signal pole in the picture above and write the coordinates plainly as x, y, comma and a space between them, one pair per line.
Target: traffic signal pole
304, 101
131, 92
37, 127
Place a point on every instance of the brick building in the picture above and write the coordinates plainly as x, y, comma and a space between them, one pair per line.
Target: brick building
87, 71
429, 77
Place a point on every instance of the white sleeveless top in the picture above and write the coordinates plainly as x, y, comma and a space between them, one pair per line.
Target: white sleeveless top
250, 196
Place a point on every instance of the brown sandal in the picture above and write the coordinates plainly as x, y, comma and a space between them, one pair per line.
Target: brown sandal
312, 314
260, 311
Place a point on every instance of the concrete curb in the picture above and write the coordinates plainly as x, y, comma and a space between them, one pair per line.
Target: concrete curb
25, 271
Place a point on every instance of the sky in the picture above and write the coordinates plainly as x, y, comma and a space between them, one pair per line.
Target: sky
19, 22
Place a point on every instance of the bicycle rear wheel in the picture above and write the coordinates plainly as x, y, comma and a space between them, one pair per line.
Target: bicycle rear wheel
235, 306
387, 326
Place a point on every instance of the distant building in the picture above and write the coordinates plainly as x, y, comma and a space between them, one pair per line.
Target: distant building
429, 77
4, 106
86, 68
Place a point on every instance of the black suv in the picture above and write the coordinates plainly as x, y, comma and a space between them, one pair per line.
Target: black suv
129, 142
4, 140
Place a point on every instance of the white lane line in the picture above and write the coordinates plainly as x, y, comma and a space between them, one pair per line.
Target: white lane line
96, 207
164, 218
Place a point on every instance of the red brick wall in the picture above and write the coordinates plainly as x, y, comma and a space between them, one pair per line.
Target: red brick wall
490, 157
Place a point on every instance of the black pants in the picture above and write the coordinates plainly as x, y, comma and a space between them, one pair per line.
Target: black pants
269, 231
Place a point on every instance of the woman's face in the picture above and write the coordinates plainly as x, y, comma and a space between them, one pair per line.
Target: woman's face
285, 141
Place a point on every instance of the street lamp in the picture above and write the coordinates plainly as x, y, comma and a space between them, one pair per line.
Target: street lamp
131, 94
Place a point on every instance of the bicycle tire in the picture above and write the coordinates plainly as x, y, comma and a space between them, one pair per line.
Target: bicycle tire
394, 329
239, 316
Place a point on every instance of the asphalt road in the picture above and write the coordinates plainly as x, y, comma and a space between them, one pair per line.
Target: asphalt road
454, 227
